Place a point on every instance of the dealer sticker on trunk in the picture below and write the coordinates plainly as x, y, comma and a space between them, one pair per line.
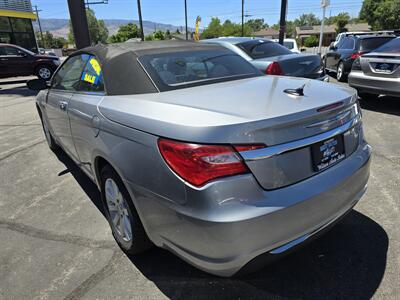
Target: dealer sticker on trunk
327, 153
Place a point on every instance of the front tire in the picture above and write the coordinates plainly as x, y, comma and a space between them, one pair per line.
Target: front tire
340, 72
49, 138
44, 72
122, 216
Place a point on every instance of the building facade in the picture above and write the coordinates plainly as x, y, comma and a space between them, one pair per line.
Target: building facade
16, 24
330, 33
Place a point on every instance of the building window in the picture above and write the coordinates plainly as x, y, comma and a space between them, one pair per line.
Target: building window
5, 24
18, 31
21, 25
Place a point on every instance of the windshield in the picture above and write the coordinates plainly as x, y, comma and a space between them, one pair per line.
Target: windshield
370, 44
390, 47
262, 49
184, 69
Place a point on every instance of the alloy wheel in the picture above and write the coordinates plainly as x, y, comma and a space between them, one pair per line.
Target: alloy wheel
118, 209
44, 73
340, 71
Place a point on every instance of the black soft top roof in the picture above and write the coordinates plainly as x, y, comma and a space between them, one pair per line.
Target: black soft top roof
123, 73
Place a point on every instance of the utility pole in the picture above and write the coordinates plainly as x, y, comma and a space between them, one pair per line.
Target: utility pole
140, 20
79, 23
186, 27
324, 4
242, 17
40, 26
282, 22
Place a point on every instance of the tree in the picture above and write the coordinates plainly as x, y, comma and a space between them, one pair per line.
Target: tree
125, 32
381, 14
159, 35
256, 24
49, 41
155, 36
168, 35
307, 19
98, 31
213, 30
228, 28
342, 20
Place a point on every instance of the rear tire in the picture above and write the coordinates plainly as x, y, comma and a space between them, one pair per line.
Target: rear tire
44, 72
368, 96
49, 138
127, 229
340, 72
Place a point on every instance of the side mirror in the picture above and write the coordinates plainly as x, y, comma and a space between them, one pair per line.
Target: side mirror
37, 84
22, 53
332, 46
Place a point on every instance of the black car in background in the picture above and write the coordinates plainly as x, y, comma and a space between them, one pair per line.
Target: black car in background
340, 58
17, 61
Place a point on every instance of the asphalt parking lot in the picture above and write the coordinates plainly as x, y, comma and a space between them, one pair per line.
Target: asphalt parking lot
56, 244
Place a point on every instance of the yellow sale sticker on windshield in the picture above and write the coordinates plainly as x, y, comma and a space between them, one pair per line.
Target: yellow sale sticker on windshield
89, 78
95, 65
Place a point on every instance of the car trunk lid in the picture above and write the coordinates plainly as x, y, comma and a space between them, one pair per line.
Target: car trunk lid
248, 111
381, 64
298, 65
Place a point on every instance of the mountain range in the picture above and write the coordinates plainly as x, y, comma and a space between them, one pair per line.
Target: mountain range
60, 27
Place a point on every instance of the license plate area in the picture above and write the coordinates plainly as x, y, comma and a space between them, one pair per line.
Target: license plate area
327, 153
384, 67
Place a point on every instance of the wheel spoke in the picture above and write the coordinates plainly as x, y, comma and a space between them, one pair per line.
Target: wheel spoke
127, 228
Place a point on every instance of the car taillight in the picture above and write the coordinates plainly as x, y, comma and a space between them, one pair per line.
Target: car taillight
274, 69
356, 55
199, 164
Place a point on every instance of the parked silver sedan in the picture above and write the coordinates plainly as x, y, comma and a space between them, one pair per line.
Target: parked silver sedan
272, 58
378, 72
195, 151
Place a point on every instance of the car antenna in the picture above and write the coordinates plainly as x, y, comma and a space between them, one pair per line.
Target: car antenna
297, 92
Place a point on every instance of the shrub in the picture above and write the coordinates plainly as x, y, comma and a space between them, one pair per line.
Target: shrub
311, 41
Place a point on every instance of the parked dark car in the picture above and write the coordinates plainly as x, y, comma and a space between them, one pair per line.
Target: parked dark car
340, 58
17, 61
378, 72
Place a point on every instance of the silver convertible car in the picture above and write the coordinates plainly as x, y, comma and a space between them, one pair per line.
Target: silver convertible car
197, 152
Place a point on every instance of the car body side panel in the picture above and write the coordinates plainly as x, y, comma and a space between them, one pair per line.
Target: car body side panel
59, 120
85, 126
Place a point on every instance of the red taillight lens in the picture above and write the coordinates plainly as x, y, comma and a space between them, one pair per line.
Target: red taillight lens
274, 69
199, 164
356, 55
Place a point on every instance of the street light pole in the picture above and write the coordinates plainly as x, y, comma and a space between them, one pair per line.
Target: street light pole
324, 4
186, 26
242, 17
140, 20
282, 22
40, 26
79, 23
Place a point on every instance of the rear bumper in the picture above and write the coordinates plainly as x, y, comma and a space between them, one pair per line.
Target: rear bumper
228, 223
374, 85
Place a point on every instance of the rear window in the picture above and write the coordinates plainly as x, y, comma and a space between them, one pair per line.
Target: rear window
373, 43
289, 45
262, 49
185, 69
390, 47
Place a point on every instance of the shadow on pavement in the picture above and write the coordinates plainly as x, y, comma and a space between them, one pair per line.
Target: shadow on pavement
83, 180
21, 90
383, 104
348, 262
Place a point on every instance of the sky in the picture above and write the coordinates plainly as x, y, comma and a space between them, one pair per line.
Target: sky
172, 11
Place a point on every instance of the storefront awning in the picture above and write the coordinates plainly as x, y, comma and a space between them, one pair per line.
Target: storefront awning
17, 14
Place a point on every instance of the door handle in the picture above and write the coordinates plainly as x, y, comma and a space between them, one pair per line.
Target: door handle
63, 105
